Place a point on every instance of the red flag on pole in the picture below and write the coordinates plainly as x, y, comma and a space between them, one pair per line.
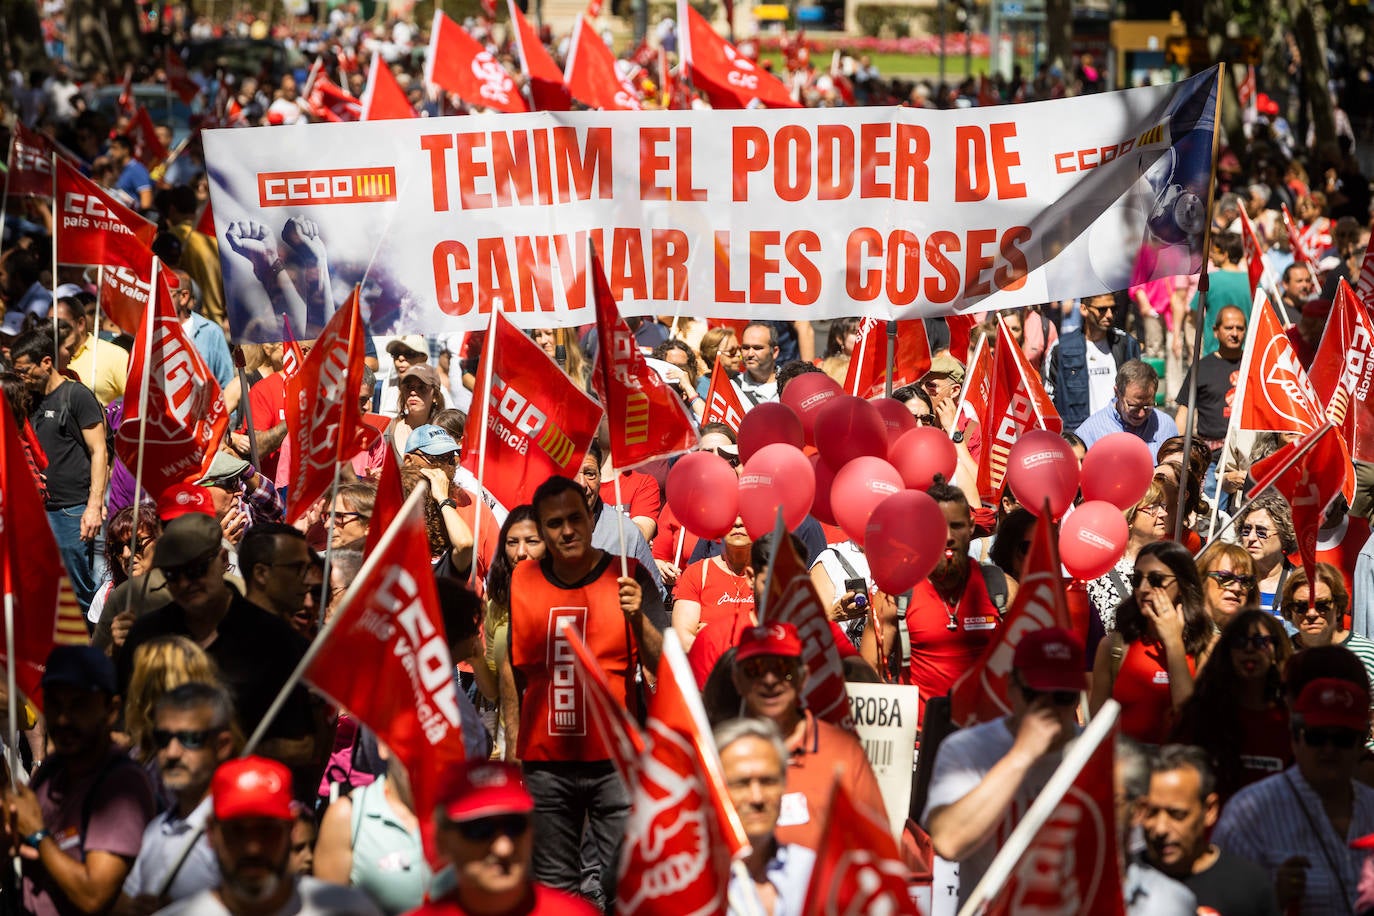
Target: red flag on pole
205, 225
94, 228
858, 868
125, 104
977, 393
1318, 467
322, 414
980, 693
722, 400
726, 77
612, 723
647, 419
1254, 254
1364, 285
456, 63
178, 79
1274, 392
148, 146
383, 98
538, 422
390, 627
387, 505
292, 358
328, 101
960, 332
591, 76
185, 418
1342, 374
124, 297
30, 163
547, 90
867, 375
1301, 254
1019, 403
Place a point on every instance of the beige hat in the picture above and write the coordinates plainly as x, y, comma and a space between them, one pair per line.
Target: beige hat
946, 365
412, 342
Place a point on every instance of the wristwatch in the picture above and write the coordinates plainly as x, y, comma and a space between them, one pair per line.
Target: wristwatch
35, 838
957, 437
449, 503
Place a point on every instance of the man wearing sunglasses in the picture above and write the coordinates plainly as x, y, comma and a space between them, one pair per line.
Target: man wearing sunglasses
484, 829
985, 777
1297, 825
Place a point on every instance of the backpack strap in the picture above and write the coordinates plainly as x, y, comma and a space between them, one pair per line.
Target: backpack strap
848, 567
996, 581
1118, 650
902, 657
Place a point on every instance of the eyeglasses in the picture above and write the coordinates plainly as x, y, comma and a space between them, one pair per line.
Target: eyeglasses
1343, 739
1154, 509
1061, 698
486, 829
784, 669
1257, 642
191, 740
189, 572
924, 419
1156, 579
341, 518
1258, 531
730, 458
1225, 579
1302, 609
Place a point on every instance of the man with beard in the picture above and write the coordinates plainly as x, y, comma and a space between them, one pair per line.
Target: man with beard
250, 832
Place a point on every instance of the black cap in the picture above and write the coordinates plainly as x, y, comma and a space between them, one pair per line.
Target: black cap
83, 667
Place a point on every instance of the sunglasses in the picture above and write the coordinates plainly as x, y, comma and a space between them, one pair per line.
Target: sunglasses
1258, 531
1156, 579
1060, 698
189, 572
730, 459
191, 740
784, 669
342, 518
1225, 579
925, 419
486, 829
1340, 738
1324, 607
1257, 642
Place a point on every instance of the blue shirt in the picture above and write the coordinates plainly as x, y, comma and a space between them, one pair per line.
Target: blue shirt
133, 180
1157, 427
208, 339
789, 871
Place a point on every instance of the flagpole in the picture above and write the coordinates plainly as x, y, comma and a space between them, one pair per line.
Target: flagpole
488, 359
779, 532
891, 356
1238, 403
11, 687
95, 332
56, 218
329, 541
620, 522
5, 198
149, 317
963, 389
1203, 284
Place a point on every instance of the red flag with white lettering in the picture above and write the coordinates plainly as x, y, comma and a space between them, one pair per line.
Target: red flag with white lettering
980, 693
726, 77
858, 868
1301, 253
30, 163
322, 415
124, 297
456, 63
1318, 468
867, 375
1019, 403
383, 98
545, 80
390, 627
722, 400
613, 724
1364, 284
94, 228
185, 417
538, 422
1275, 394
590, 73
646, 417
1342, 374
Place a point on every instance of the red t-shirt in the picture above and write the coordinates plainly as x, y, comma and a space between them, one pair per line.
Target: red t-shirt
545, 902
940, 655
665, 542
639, 493
1142, 689
721, 594
267, 400
713, 642
1267, 746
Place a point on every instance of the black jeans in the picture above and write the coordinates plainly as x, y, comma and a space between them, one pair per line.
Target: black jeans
568, 796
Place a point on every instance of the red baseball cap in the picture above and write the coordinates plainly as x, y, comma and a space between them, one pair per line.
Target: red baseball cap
183, 498
1050, 658
483, 788
772, 639
1330, 702
252, 787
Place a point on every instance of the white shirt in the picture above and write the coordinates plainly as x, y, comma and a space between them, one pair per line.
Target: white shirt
312, 898
164, 841
1101, 375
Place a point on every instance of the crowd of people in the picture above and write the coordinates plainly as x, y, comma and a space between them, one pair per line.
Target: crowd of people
1245, 763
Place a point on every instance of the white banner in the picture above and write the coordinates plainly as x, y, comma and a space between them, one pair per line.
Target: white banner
786, 214
885, 720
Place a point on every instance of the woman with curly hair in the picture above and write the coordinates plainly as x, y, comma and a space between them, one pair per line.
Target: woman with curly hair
450, 537
119, 556
1265, 529
1237, 713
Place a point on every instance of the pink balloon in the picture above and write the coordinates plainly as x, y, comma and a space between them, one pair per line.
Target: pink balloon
1092, 539
896, 418
778, 475
807, 394
904, 540
923, 452
847, 428
825, 480
1118, 469
704, 492
1043, 467
859, 486
766, 424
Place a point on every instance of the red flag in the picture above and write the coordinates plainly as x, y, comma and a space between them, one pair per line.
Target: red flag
124, 297
1301, 254
328, 101
538, 423
980, 693
185, 418
30, 163
867, 376
1317, 476
1254, 254
206, 224
960, 330
591, 76
1070, 867
387, 505
178, 79
124, 105
647, 419
793, 599
1019, 403
545, 79
322, 416
1275, 394
722, 400
457, 64
858, 868
148, 147
612, 723
94, 228
383, 98
1364, 286
977, 392
292, 358
1342, 374
390, 627
726, 77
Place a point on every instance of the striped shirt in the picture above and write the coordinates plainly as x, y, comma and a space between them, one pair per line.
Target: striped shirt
1156, 428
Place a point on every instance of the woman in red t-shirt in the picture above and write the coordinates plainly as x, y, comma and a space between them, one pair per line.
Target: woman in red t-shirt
716, 591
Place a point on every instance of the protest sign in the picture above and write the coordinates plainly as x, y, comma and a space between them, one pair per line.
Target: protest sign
788, 214
885, 721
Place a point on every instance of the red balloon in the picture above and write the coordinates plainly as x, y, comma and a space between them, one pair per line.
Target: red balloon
847, 428
778, 475
896, 418
807, 394
1043, 467
859, 486
766, 424
904, 540
704, 492
923, 452
825, 480
1118, 469
1092, 539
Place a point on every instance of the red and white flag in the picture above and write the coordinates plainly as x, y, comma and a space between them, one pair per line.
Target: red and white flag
1019, 403
977, 394
125, 104
1274, 392
178, 78
1364, 284
292, 358
1247, 92
867, 375
94, 228
980, 693
722, 400
328, 101
1342, 373
725, 76
124, 297
322, 414
1254, 253
390, 627
538, 422
458, 64
383, 98
30, 163
1302, 254
1309, 473
646, 418
591, 75
547, 91
185, 418
858, 868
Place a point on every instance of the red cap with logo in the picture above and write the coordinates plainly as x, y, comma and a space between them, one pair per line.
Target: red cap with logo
483, 788
252, 787
1050, 658
1330, 702
183, 498
771, 639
